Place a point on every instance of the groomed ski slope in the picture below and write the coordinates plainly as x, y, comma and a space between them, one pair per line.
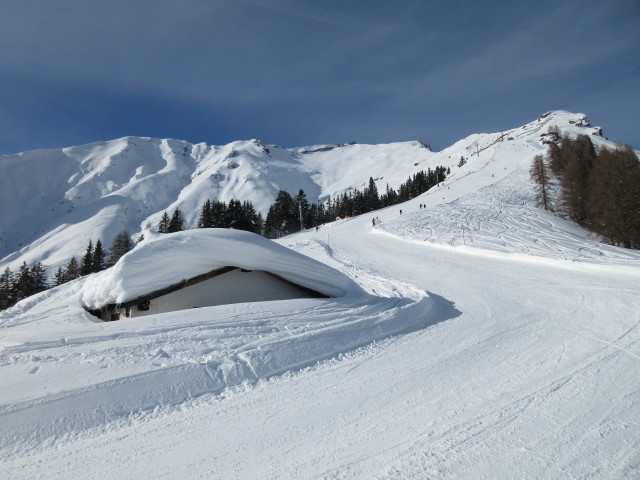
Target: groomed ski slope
64, 371
524, 365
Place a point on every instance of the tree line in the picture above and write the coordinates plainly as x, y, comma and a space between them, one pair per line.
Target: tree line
288, 214
284, 214
598, 188
29, 280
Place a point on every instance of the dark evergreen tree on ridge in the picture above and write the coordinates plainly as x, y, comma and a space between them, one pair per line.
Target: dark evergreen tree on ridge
237, 215
176, 224
98, 260
121, 244
163, 226
38, 278
26, 282
72, 270
281, 219
86, 267
302, 203
59, 277
206, 215
7, 297
371, 197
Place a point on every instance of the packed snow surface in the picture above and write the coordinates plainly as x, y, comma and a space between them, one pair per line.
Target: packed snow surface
113, 370
490, 340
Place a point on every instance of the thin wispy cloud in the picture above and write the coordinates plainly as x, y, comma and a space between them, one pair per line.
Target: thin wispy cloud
301, 72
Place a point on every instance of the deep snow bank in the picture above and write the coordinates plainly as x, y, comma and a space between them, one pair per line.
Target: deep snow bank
63, 381
62, 373
170, 258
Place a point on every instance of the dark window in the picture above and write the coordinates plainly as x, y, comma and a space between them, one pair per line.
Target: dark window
144, 306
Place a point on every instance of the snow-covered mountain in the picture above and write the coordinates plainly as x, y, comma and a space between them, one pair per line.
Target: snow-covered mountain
55, 201
487, 338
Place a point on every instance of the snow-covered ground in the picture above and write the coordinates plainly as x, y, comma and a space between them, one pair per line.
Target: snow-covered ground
511, 350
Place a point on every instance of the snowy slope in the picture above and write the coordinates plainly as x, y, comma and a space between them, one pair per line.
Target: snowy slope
512, 351
55, 201
94, 373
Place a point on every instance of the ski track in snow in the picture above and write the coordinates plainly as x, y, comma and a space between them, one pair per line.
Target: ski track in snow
139, 366
519, 356
565, 380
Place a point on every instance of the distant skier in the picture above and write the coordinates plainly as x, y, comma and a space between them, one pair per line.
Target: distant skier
400, 212
373, 222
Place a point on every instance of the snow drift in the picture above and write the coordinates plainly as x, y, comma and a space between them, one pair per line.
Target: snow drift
109, 371
170, 258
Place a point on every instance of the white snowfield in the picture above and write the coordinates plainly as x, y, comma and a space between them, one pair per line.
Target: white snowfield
509, 348
106, 371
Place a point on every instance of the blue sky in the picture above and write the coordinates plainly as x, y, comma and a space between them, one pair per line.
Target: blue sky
305, 72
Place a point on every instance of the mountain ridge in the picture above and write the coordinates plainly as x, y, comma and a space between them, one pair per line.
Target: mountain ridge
98, 189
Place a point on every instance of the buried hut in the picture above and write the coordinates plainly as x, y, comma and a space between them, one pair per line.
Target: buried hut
203, 268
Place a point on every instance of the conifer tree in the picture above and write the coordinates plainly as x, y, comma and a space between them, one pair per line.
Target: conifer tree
371, 197
59, 277
554, 159
302, 203
390, 197
38, 278
539, 173
234, 215
250, 218
72, 270
575, 178
259, 224
205, 220
6, 289
614, 203
98, 260
282, 216
121, 244
87, 261
176, 224
219, 215
356, 203
23, 284
163, 226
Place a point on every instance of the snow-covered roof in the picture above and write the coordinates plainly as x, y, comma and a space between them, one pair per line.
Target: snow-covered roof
170, 258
